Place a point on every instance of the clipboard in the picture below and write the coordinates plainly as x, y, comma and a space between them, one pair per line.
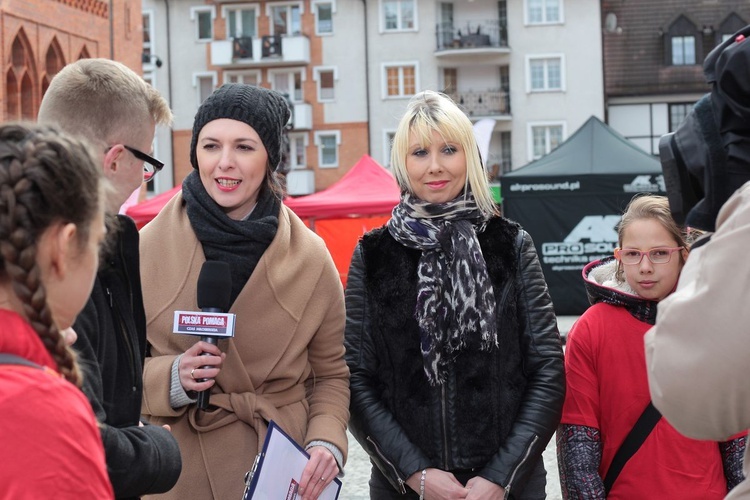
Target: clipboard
278, 469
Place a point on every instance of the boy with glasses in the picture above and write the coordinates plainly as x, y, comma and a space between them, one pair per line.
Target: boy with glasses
113, 108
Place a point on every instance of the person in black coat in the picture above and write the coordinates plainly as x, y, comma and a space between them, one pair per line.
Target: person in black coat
116, 110
457, 376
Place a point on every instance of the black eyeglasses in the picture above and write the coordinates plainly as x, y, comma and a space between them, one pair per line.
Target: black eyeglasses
151, 165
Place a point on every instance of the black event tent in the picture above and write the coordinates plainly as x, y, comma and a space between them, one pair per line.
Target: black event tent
570, 202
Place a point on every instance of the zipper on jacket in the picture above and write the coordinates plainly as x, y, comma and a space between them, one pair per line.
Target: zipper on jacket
523, 460
445, 426
123, 324
119, 323
401, 482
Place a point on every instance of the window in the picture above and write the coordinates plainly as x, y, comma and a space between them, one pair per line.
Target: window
544, 138
287, 82
205, 83
450, 80
247, 77
241, 20
399, 80
398, 15
204, 22
297, 151
328, 148
683, 50
388, 147
545, 74
505, 152
326, 78
677, 113
148, 35
285, 19
324, 18
543, 11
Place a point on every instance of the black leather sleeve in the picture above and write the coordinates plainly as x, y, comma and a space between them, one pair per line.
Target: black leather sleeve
541, 408
371, 423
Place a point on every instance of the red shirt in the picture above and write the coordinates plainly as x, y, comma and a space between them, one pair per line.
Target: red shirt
50, 440
607, 389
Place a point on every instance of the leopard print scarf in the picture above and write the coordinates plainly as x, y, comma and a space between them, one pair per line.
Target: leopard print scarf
454, 294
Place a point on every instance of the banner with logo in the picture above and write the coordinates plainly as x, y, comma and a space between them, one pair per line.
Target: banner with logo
573, 221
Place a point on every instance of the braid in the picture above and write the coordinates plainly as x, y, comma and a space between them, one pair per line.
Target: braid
30, 202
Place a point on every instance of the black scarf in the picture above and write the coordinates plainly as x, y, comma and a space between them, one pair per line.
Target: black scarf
240, 243
454, 293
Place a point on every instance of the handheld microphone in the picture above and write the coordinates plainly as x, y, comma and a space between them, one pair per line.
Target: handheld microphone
213, 322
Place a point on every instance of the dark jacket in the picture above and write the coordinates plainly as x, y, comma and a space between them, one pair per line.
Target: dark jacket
497, 410
111, 346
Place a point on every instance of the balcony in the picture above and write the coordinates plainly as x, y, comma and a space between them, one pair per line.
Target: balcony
300, 182
471, 37
483, 104
269, 50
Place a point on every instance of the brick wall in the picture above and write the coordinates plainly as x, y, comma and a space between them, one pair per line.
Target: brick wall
72, 28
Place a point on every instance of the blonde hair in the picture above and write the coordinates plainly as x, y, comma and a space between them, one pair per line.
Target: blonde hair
431, 111
649, 206
102, 100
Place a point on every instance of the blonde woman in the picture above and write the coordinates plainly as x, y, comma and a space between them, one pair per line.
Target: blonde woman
456, 363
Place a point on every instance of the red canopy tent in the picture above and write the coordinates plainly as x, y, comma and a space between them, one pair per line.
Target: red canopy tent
359, 201
143, 212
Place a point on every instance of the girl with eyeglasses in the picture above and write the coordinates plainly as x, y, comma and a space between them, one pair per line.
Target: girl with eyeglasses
607, 386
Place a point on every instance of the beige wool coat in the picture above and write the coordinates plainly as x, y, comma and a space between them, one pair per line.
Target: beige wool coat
285, 363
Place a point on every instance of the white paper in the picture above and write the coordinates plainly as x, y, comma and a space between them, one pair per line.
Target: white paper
280, 470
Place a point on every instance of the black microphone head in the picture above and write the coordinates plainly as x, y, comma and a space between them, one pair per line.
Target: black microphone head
215, 286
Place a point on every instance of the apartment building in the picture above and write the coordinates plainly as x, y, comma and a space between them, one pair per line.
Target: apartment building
39, 37
533, 66
350, 66
309, 50
653, 60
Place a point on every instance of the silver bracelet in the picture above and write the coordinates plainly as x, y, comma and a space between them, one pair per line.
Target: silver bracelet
421, 484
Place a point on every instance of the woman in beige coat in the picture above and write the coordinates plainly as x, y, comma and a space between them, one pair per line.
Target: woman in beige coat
285, 362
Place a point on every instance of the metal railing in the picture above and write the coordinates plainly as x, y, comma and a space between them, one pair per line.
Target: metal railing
471, 35
483, 103
242, 47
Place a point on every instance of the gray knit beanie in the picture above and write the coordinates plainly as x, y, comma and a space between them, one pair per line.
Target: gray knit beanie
263, 109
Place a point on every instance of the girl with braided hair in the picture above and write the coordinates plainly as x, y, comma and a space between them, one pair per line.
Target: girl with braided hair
51, 225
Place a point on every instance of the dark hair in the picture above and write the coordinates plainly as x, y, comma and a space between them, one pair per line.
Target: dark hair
46, 177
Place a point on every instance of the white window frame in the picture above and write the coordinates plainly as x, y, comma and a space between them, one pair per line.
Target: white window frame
400, 29
545, 57
318, 143
316, 76
239, 6
683, 38
293, 149
272, 80
242, 74
315, 4
194, 11
149, 66
384, 79
527, 21
269, 14
199, 75
547, 124
387, 146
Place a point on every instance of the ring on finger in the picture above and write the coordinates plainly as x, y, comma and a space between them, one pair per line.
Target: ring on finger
192, 374
323, 478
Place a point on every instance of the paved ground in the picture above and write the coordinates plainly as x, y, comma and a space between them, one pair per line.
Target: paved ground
358, 467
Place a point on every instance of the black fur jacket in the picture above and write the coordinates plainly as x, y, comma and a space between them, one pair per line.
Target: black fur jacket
497, 410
